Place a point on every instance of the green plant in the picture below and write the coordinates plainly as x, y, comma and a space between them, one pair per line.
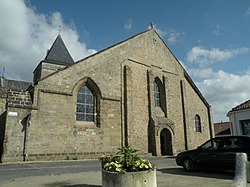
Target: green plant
125, 160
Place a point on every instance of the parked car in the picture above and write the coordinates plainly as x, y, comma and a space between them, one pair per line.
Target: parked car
218, 153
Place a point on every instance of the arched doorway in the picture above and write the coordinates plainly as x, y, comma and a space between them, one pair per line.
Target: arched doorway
166, 142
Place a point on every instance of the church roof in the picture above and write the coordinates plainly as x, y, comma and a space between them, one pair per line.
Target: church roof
14, 84
58, 53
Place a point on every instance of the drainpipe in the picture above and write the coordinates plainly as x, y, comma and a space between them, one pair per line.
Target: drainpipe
184, 115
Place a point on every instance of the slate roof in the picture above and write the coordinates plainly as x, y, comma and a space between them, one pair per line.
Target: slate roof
58, 53
242, 106
14, 84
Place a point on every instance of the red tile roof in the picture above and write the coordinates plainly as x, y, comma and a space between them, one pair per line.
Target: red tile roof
242, 106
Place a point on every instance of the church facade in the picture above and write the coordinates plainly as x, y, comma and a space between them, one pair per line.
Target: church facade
133, 93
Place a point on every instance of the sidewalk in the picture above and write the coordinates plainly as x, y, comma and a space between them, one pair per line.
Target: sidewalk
165, 178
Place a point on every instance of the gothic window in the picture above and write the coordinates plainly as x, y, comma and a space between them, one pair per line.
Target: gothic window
197, 123
157, 94
85, 104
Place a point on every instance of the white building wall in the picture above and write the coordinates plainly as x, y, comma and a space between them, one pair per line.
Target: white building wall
235, 117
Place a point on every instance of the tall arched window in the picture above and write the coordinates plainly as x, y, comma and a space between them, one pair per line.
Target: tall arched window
197, 123
85, 104
157, 94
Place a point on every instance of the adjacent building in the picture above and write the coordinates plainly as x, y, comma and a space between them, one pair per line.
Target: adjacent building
133, 93
222, 128
239, 118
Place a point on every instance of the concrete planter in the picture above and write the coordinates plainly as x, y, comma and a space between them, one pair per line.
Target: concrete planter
130, 179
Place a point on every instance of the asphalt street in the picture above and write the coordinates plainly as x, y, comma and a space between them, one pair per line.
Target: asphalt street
87, 173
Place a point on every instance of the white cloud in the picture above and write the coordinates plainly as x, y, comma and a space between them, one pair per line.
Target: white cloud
202, 73
172, 35
205, 57
218, 30
128, 25
248, 12
225, 91
26, 35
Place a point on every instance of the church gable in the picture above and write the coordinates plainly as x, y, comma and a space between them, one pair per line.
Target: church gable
146, 48
149, 49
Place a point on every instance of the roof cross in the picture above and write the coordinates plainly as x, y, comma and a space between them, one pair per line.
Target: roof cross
151, 25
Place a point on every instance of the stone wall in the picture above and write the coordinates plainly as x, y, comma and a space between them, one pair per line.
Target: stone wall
195, 105
19, 105
44, 69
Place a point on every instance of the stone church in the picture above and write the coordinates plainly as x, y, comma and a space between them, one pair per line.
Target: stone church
133, 93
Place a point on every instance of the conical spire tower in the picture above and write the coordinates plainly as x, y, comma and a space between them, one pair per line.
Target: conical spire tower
57, 58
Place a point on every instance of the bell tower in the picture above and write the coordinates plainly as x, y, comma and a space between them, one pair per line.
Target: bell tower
57, 58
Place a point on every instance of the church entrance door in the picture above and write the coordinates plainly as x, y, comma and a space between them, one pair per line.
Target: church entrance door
166, 142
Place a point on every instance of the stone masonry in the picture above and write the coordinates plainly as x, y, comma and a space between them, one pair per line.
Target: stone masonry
40, 123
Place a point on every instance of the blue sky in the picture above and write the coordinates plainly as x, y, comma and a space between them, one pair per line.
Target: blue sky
210, 38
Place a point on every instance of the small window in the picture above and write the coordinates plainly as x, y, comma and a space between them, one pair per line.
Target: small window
85, 105
197, 123
157, 95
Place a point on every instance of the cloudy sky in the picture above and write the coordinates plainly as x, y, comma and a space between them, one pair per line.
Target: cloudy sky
210, 38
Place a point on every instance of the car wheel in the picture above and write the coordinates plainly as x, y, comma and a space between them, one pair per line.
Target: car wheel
188, 164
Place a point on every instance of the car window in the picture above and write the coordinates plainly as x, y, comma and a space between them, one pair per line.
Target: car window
231, 143
238, 143
242, 143
211, 145
227, 144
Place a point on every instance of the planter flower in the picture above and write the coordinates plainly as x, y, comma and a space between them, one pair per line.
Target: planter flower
126, 168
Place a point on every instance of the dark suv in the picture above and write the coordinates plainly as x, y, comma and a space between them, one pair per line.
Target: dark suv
217, 153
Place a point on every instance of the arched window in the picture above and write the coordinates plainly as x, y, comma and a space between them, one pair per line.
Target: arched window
157, 94
197, 122
85, 104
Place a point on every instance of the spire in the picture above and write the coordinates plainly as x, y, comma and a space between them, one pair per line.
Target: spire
58, 53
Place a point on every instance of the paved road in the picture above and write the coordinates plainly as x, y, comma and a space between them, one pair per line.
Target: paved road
21, 170
87, 174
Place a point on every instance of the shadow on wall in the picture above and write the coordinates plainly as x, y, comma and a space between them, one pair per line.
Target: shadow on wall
2, 133
25, 123
151, 137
